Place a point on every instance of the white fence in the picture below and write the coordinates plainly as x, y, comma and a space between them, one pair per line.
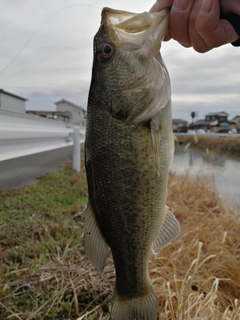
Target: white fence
24, 134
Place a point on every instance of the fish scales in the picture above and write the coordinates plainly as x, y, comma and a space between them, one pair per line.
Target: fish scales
127, 184
122, 188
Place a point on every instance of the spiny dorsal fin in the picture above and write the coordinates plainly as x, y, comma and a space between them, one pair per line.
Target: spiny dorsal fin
96, 247
169, 230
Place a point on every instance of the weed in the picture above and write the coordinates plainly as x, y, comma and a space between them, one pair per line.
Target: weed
45, 274
227, 144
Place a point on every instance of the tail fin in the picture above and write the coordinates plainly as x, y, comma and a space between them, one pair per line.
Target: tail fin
142, 308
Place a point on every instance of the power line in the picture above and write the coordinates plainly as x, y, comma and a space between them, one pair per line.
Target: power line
33, 35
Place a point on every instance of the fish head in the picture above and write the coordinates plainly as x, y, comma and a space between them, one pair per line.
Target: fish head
126, 45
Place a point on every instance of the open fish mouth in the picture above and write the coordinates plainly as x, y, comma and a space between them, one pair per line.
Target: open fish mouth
150, 26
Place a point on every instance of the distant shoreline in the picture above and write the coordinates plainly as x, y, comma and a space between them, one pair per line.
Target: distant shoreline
227, 144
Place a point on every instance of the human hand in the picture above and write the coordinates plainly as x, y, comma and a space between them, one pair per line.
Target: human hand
230, 6
196, 23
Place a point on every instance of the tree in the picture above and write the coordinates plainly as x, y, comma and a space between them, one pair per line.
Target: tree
193, 115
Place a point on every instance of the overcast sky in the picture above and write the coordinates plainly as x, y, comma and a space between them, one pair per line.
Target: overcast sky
56, 62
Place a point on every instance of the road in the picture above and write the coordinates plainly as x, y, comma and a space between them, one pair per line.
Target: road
24, 171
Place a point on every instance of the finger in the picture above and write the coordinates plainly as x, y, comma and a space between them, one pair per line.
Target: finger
167, 36
214, 31
160, 5
230, 6
178, 21
196, 40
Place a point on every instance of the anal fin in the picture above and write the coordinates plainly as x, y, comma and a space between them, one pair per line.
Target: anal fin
169, 230
96, 247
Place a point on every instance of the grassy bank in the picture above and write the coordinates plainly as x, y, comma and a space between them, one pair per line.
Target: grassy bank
44, 273
228, 144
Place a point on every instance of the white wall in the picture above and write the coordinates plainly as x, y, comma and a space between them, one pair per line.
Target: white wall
12, 104
78, 115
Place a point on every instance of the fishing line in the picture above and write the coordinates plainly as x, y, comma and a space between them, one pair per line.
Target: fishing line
33, 35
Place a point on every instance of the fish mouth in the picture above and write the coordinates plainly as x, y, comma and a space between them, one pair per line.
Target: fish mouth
151, 26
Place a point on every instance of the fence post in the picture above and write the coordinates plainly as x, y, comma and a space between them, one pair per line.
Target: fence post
76, 149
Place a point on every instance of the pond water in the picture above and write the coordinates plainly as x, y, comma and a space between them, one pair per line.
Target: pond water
222, 170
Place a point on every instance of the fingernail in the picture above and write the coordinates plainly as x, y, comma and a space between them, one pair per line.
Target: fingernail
153, 8
181, 4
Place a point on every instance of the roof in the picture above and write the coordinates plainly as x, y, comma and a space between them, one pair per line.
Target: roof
217, 113
210, 123
71, 103
179, 120
12, 95
236, 118
214, 123
201, 122
65, 114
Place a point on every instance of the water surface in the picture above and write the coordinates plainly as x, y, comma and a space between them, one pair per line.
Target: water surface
222, 170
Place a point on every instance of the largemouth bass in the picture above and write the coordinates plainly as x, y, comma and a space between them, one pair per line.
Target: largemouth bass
128, 152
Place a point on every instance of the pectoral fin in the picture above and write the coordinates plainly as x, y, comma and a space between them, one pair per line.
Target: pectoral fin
169, 230
96, 247
155, 134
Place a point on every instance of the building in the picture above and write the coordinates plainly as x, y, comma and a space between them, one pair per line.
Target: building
55, 115
217, 116
215, 122
200, 124
12, 102
237, 121
77, 114
179, 125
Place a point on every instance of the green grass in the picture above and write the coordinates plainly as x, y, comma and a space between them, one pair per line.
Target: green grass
39, 225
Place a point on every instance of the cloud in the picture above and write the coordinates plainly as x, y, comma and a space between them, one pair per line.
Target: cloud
56, 62
203, 82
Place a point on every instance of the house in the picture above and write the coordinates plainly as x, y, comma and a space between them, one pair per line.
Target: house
217, 116
215, 122
12, 102
237, 121
56, 115
179, 125
75, 114
200, 124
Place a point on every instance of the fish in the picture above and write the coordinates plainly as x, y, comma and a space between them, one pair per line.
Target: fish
129, 147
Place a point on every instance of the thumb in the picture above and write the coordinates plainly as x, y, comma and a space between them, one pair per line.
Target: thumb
161, 4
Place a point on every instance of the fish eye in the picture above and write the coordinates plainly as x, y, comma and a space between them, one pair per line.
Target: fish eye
107, 51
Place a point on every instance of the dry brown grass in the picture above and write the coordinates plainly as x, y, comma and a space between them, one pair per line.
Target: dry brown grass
227, 144
196, 277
